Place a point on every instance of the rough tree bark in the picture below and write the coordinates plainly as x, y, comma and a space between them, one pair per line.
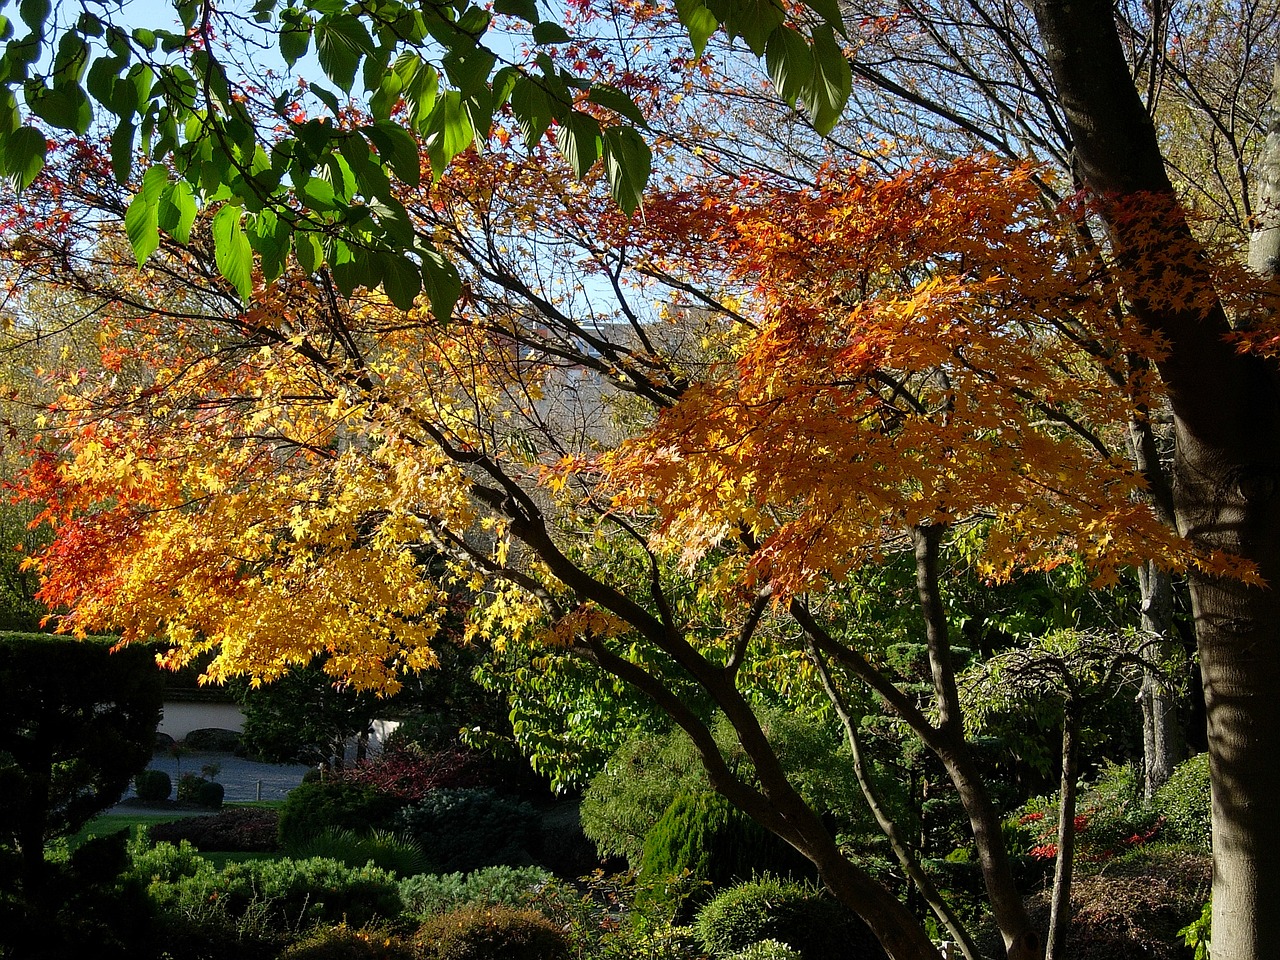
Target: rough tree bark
1226, 409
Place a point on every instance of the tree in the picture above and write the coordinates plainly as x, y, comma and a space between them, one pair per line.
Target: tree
449, 415
76, 723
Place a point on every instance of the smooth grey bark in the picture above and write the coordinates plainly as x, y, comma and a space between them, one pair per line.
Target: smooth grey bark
1162, 740
1264, 240
1060, 904
1226, 408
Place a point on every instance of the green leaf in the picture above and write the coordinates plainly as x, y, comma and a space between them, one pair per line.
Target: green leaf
402, 281
550, 32
178, 210
611, 98
441, 282
66, 107
832, 81
627, 161
578, 140
269, 238
828, 10
24, 152
699, 21
370, 177
72, 59
449, 131
232, 251
340, 43
142, 227
295, 39
526, 10
308, 249
532, 109
397, 147
34, 13
790, 63
122, 150
468, 69
395, 222
318, 194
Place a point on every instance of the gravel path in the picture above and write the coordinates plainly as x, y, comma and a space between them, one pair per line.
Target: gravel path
242, 779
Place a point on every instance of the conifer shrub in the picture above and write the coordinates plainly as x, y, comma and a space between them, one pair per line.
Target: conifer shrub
768, 908
200, 792
427, 894
469, 828
390, 851
153, 785
705, 840
490, 933
312, 808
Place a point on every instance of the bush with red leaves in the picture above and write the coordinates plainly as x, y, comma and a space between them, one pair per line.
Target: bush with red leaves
237, 829
410, 773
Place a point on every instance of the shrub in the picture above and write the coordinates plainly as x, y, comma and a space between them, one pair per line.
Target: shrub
200, 792
1184, 803
427, 895
491, 933
241, 829
344, 943
153, 785
407, 771
311, 808
471, 828
286, 894
163, 863
767, 950
771, 909
703, 837
382, 848
214, 739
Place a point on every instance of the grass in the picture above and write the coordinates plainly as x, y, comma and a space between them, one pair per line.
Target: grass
109, 823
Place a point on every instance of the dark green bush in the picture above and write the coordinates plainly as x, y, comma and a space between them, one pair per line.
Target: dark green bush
212, 738
344, 943
703, 837
1184, 803
428, 894
153, 785
491, 933
200, 792
311, 808
771, 909
471, 827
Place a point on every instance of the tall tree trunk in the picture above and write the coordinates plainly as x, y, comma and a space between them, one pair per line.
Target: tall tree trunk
1162, 741
1021, 939
1060, 908
1227, 463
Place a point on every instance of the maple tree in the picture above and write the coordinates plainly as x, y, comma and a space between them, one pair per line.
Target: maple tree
381, 436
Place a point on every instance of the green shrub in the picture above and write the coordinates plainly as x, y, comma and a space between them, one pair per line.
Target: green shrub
163, 863
344, 943
153, 785
427, 895
767, 950
706, 840
286, 894
212, 738
240, 829
490, 933
771, 909
1184, 803
395, 854
200, 792
472, 827
311, 808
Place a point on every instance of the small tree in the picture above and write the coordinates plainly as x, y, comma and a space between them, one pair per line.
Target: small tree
77, 722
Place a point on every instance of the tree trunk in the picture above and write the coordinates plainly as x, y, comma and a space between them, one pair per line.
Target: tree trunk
1162, 742
1227, 463
1060, 909
1021, 939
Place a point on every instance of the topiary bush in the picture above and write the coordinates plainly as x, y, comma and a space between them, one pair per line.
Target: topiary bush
465, 829
214, 739
705, 839
490, 933
239, 829
200, 792
153, 785
344, 943
768, 908
1184, 803
391, 852
311, 808
428, 894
